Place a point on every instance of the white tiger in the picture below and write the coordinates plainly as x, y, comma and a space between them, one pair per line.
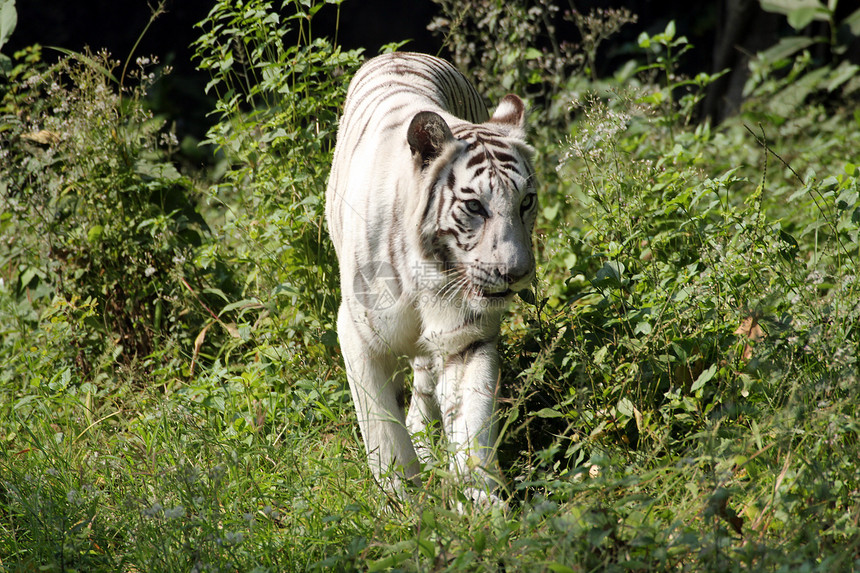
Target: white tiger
430, 205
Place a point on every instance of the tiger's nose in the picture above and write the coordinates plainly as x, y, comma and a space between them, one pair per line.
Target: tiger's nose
517, 271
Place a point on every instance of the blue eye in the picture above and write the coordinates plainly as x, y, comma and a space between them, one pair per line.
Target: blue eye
528, 202
474, 207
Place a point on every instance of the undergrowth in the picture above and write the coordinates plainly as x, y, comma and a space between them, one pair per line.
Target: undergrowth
680, 395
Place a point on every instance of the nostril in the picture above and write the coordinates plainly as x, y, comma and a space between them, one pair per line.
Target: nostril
510, 274
508, 277
501, 274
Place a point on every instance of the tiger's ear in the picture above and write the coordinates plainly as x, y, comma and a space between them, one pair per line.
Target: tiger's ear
510, 111
427, 135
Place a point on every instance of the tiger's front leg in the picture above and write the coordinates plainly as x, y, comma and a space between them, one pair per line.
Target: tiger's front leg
423, 417
467, 398
377, 389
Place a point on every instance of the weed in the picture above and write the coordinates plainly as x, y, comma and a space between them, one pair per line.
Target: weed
680, 394
93, 214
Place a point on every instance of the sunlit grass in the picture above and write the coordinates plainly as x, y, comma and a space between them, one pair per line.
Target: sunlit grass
683, 396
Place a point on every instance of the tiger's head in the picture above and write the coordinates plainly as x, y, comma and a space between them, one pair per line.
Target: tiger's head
478, 202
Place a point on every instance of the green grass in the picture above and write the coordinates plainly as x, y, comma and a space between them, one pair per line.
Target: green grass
681, 396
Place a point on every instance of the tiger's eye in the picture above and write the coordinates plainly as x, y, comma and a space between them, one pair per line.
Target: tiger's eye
528, 202
474, 207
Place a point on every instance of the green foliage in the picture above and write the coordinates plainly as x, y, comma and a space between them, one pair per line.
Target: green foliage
498, 43
786, 75
280, 91
709, 319
93, 215
666, 50
682, 396
8, 21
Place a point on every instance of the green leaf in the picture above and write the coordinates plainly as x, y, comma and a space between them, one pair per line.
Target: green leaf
390, 561
94, 235
847, 199
800, 13
625, 407
28, 276
427, 548
528, 296
670, 30
800, 19
245, 303
329, 338
533, 54
163, 170
548, 413
853, 22
786, 47
643, 327
8, 20
609, 275
704, 378
790, 246
842, 74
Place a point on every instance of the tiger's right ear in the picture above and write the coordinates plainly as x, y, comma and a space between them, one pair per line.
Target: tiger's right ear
427, 135
510, 111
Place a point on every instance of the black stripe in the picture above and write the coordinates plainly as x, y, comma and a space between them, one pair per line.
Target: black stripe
463, 355
475, 159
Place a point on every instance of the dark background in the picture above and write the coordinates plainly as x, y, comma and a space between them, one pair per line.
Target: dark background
721, 31
117, 25
363, 23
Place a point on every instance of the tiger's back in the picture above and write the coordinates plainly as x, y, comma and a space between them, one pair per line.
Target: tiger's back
383, 97
430, 206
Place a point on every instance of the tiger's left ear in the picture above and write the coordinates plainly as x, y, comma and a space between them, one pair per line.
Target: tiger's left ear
510, 111
427, 136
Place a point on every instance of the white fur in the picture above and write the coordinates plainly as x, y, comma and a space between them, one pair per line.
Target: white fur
378, 193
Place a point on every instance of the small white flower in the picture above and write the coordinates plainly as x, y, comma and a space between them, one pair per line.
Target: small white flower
169, 139
150, 270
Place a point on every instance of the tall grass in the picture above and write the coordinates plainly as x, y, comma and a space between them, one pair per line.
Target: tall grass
680, 396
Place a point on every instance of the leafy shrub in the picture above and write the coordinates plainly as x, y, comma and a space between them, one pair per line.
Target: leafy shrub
280, 93
785, 75
93, 213
514, 47
681, 396
711, 301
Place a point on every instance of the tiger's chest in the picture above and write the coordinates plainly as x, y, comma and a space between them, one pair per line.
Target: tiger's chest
423, 324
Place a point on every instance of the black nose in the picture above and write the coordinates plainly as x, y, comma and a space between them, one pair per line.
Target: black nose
510, 275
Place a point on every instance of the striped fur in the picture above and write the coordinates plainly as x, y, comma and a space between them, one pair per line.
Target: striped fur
430, 205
